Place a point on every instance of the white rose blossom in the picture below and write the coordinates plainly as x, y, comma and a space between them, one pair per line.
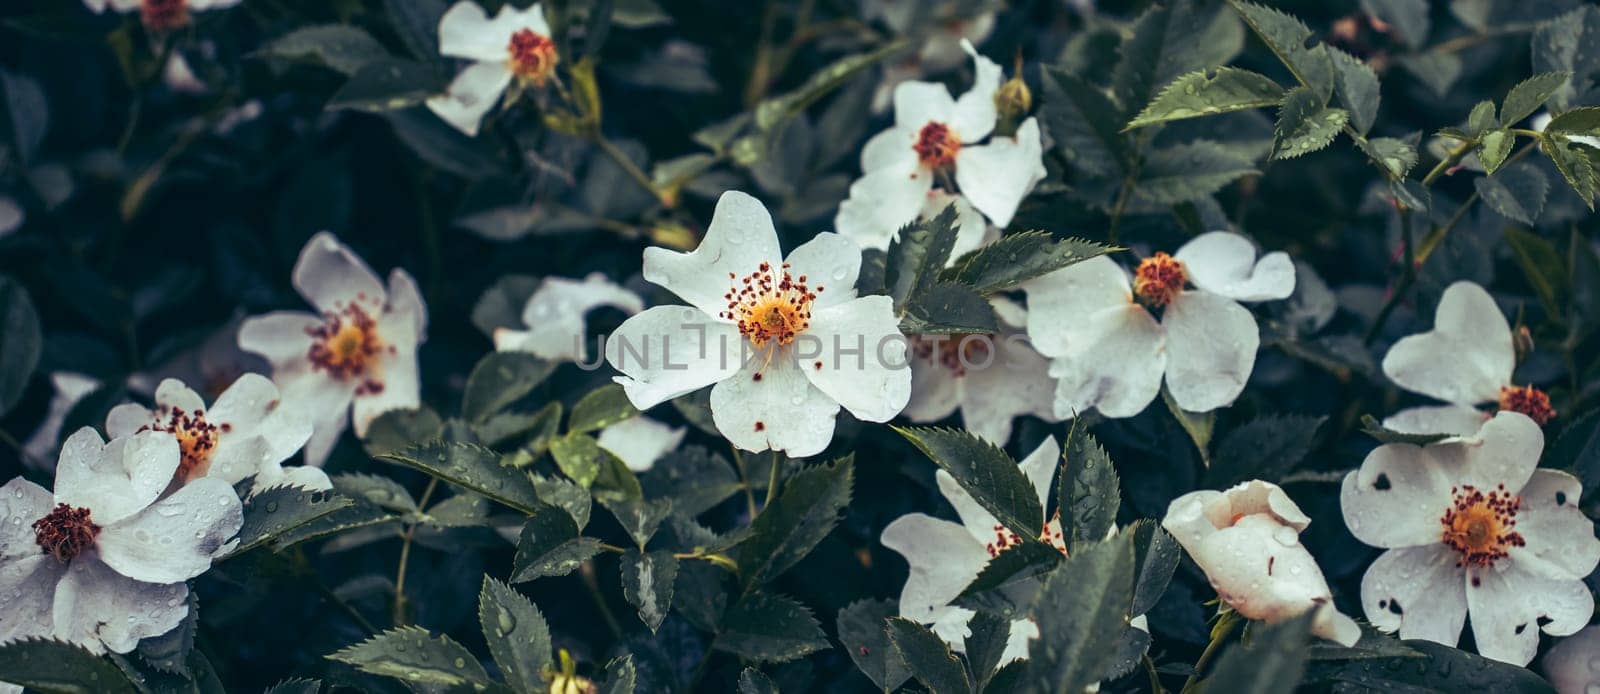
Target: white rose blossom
160, 15
514, 45
640, 441
246, 433
1573, 666
103, 561
554, 316
1247, 540
992, 379
1469, 327
785, 341
1471, 525
359, 353
1110, 352
936, 133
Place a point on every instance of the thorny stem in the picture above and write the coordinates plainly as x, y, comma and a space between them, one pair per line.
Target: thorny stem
720, 560
399, 609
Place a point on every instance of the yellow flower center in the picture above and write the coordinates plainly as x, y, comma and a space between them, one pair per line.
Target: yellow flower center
346, 346
770, 304
197, 440
1481, 526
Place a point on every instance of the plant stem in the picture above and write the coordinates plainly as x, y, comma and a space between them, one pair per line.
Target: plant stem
399, 609
772, 478
1212, 649
749, 490
1454, 157
586, 572
1155, 678
626, 164
345, 607
1407, 277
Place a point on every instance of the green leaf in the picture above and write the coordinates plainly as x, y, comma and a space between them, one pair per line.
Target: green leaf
1565, 43
986, 472
375, 489
647, 583
693, 478
1573, 165
517, 635
770, 628
338, 46
1198, 425
538, 427
776, 111
1088, 493
1189, 171
1265, 448
1157, 555
1305, 125
696, 409
1287, 37
918, 253
499, 379
387, 84
863, 631
278, 510
1481, 119
1017, 258
1085, 123
638, 517
357, 516
1393, 156
1008, 583
1371, 427
1407, 19
1494, 147
1578, 121
1202, 94
550, 546
794, 523
473, 467
752, 681
1440, 669
621, 675
416, 22
20, 342
296, 685
566, 495
600, 408
1356, 85
397, 430
412, 655
1273, 662
1518, 192
948, 308
929, 657
53, 666
1542, 265
1530, 94
1437, 71
1168, 39
987, 636
1083, 603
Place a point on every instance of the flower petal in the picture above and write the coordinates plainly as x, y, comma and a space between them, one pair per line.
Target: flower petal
1560, 538
935, 391
770, 404
1419, 591
1397, 497
127, 419
69, 388
323, 401
1040, 468
943, 559
405, 299
29, 584
174, 539
919, 103
882, 201
997, 176
1456, 420
280, 336
465, 31
1211, 345
172, 393
21, 503
739, 239
398, 380
854, 353
1113, 364
640, 441
1058, 300
1469, 327
1258, 566
331, 276
555, 313
830, 263
100, 609
1504, 451
1509, 606
668, 351
975, 111
1222, 262
1571, 667
1017, 383
891, 148
470, 95
117, 479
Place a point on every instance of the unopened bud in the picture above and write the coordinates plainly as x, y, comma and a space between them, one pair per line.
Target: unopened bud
1012, 101
1523, 341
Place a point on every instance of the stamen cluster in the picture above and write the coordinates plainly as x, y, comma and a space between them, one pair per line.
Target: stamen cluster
533, 56
936, 146
1158, 279
197, 439
770, 304
1482, 526
65, 532
346, 344
1527, 400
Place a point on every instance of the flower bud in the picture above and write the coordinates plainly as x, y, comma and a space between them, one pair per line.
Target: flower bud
1012, 101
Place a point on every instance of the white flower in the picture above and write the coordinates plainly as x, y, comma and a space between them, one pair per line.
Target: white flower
945, 556
993, 379
1468, 327
1472, 526
1110, 352
160, 15
640, 441
1247, 540
362, 348
786, 341
246, 433
515, 44
102, 563
69, 389
935, 132
554, 316
1573, 666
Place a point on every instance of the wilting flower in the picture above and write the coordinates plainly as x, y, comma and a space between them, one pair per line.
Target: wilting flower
161, 15
946, 556
362, 348
246, 433
940, 51
993, 379
1109, 350
554, 316
786, 341
1469, 328
1247, 540
935, 134
1472, 526
640, 441
1573, 666
515, 45
102, 562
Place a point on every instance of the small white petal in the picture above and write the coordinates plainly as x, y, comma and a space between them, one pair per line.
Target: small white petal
127, 419
331, 276
1419, 591
69, 388
1040, 468
972, 230
854, 353
470, 95
935, 390
997, 176
891, 148
1059, 299
1113, 363
172, 393
830, 263
640, 441
769, 404
739, 239
943, 557
405, 299
280, 337
100, 609
174, 539
668, 351
1560, 539
555, 313
919, 103
1456, 420
1211, 347
324, 402
1222, 262
975, 112
1396, 498
1509, 604
1504, 451
117, 479
397, 377
29, 584
21, 503
1469, 327
1017, 383
881, 202
465, 31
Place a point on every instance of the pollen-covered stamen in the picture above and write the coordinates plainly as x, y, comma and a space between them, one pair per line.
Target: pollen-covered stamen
1158, 279
1529, 401
770, 304
533, 56
65, 532
164, 15
1482, 526
197, 440
954, 352
1005, 539
346, 345
936, 146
